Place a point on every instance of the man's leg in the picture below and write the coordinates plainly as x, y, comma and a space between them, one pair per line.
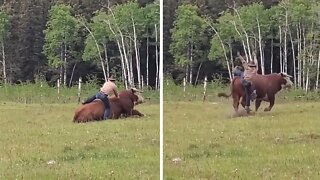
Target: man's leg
247, 90
89, 100
253, 94
105, 100
107, 107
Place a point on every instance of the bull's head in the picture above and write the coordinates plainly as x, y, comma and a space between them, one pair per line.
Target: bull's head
286, 82
137, 92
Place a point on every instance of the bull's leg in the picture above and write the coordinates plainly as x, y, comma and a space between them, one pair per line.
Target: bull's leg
115, 116
136, 112
271, 99
243, 101
258, 103
236, 99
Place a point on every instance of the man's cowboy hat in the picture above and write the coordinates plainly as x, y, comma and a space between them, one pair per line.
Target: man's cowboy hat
111, 78
252, 64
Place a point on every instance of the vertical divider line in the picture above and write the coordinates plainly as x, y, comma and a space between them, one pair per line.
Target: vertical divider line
161, 89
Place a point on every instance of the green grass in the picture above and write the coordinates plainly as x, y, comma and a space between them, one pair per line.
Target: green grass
209, 144
41, 142
36, 93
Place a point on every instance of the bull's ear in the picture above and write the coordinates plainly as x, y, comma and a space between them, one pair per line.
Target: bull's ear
285, 75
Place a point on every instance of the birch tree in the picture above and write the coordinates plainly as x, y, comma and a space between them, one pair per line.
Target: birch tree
152, 25
4, 23
59, 35
187, 33
97, 41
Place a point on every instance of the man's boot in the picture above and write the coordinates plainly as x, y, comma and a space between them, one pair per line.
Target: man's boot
247, 108
253, 95
106, 114
89, 100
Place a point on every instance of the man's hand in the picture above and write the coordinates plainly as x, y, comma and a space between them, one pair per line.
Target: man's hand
116, 93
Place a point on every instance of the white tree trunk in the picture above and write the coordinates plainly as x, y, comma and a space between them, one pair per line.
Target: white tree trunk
231, 57
4, 64
123, 66
246, 35
106, 59
126, 61
157, 58
285, 44
65, 65
147, 75
72, 73
199, 68
130, 63
318, 72
260, 47
293, 60
97, 46
61, 65
224, 51
304, 59
271, 58
191, 63
136, 53
298, 55
280, 35
241, 37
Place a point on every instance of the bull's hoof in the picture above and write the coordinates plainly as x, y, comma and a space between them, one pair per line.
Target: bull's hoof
267, 109
248, 110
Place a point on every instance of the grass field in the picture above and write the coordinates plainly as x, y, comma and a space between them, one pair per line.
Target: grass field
202, 141
40, 141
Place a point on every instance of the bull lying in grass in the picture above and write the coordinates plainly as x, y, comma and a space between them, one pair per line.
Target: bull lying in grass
119, 106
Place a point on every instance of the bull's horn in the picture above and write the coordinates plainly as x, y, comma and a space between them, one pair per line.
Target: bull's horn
285, 74
136, 90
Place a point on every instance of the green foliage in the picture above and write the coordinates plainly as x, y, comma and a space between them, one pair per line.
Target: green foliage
101, 32
216, 50
152, 16
4, 25
188, 28
125, 14
61, 30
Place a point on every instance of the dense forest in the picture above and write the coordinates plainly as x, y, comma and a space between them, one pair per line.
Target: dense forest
202, 38
62, 40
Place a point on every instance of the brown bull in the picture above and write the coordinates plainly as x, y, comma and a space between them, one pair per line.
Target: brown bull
266, 87
119, 106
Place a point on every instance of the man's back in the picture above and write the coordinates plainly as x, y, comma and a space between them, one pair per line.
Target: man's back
108, 88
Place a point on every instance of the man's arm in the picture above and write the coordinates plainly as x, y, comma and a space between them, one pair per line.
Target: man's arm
244, 62
115, 92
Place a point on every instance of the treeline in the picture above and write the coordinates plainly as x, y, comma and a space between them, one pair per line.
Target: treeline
283, 37
65, 40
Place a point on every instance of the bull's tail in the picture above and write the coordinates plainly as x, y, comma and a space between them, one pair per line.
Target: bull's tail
227, 95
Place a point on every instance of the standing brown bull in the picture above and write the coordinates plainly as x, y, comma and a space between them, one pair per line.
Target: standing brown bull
266, 87
119, 106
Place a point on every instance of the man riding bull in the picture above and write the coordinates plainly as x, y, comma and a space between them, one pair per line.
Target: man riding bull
108, 88
250, 70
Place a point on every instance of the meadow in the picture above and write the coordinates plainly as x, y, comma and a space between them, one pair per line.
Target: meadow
39, 140
202, 140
